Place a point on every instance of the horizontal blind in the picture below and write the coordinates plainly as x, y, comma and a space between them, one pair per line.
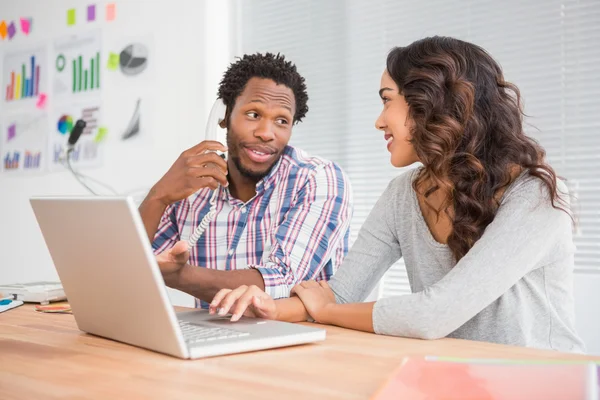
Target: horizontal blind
549, 48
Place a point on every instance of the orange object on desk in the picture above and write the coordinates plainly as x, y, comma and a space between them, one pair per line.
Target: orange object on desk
56, 308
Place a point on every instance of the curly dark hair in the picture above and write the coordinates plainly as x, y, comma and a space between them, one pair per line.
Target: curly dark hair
269, 66
467, 132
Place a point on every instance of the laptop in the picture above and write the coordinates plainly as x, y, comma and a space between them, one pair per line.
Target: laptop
112, 281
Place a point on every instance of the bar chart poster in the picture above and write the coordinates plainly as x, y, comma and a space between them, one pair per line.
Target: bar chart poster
88, 150
76, 62
24, 76
24, 143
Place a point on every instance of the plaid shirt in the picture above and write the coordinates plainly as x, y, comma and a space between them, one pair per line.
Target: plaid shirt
295, 228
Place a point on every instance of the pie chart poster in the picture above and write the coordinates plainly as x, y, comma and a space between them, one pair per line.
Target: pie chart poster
133, 60
89, 151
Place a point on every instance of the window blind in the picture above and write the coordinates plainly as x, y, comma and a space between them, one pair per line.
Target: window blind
549, 48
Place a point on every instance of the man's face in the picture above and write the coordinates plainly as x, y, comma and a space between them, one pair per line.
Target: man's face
260, 127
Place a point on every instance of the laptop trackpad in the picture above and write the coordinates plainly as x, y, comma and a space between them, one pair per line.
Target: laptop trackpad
203, 317
241, 322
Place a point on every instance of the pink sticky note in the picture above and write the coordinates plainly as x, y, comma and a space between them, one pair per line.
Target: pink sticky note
111, 12
25, 25
41, 101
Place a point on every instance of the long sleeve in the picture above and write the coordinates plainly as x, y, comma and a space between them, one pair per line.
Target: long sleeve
372, 254
307, 239
167, 233
525, 234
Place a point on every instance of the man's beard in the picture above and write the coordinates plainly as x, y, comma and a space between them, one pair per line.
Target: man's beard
254, 176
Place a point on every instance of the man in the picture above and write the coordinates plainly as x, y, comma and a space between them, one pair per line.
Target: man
281, 215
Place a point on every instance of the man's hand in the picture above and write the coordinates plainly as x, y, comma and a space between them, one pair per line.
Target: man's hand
316, 296
172, 261
196, 168
245, 300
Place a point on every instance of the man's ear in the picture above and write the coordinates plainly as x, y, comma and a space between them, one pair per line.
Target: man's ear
224, 122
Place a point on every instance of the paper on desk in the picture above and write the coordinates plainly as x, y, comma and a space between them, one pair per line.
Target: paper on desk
12, 304
418, 378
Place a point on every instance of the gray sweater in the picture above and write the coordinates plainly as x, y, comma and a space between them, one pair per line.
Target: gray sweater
515, 286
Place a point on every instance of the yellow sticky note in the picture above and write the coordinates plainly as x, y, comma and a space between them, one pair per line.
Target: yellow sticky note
102, 131
113, 61
71, 17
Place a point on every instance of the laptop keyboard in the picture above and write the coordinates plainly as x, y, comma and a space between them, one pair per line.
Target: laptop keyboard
194, 333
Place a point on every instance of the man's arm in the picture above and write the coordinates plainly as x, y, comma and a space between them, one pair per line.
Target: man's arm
306, 240
204, 283
151, 210
302, 245
196, 168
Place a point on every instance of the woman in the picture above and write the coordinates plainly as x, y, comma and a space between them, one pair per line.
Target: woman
483, 226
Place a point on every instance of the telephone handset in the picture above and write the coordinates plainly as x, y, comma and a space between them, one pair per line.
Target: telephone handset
214, 131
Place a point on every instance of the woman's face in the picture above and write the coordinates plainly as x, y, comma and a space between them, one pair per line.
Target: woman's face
395, 123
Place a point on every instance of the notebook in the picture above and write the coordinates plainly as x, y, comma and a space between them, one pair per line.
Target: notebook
422, 378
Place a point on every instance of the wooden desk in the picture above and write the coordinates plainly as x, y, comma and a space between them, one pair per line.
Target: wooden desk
46, 356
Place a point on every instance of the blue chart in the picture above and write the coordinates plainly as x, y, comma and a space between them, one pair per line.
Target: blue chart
24, 143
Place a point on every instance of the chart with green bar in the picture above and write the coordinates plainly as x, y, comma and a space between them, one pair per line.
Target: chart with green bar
86, 79
77, 64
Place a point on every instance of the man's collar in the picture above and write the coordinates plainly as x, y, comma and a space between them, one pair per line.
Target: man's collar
271, 177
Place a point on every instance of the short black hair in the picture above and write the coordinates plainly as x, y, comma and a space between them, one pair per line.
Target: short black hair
268, 66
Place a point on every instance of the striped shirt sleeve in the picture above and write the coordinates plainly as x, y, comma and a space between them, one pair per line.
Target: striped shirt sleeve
167, 233
310, 233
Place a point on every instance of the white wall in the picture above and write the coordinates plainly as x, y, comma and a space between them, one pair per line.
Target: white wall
587, 304
188, 66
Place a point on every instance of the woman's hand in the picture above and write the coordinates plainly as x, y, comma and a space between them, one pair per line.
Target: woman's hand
317, 298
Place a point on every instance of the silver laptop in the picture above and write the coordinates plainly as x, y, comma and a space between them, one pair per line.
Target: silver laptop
114, 286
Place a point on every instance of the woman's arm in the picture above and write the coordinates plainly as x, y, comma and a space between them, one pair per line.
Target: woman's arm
523, 236
375, 249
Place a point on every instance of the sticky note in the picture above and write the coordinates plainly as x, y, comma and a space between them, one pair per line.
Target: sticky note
102, 131
3, 30
113, 61
111, 12
25, 25
91, 12
71, 17
41, 101
12, 30
12, 132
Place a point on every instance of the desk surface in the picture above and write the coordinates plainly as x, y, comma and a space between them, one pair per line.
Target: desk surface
46, 356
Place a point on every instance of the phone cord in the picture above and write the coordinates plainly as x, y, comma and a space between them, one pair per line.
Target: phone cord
205, 221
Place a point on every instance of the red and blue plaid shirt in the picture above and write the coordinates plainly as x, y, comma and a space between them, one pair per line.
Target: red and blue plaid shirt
295, 228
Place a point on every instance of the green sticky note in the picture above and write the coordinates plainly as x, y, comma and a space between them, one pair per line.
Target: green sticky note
102, 131
71, 16
113, 62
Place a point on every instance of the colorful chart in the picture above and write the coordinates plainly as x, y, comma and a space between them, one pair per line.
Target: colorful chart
24, 75
65, 124
20, 85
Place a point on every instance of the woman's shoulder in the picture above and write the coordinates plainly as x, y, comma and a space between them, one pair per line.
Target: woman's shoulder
535, 191
402, 184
